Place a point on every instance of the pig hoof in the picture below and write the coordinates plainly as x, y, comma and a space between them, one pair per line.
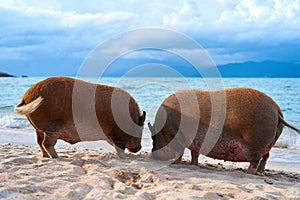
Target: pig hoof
254, 172
121, 155
177, 162
54, 157
260, 173
120, 152
251, 171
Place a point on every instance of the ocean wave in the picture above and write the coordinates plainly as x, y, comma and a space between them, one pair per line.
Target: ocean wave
6, 108
10, 121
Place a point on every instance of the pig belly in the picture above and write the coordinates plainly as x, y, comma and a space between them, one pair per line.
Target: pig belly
231, 151
67, 137
72, 134
234, 151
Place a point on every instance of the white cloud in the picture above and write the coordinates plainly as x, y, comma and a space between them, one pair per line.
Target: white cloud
144, 54
60, 33
187, 14
72, 18
14, 53
260, 14
228, 17
71, 28
222, 56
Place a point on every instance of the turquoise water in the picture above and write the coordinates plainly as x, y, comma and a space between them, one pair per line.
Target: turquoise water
150, 92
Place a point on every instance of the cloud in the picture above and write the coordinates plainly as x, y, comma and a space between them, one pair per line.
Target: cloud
232, 30
261, 14
187, 14
54, 32
224, 56
232, 17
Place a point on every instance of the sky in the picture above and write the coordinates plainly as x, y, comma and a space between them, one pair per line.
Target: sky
53, 37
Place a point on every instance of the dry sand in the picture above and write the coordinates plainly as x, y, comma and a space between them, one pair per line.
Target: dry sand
96, 174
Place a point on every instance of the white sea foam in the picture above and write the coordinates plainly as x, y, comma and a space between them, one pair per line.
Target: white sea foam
13, 122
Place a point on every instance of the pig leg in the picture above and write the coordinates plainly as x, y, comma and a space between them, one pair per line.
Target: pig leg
254, 159
252, 167
40, 139
195, 155
178, 160
262, 164
49, 141
180, 152
179, 147
120, 148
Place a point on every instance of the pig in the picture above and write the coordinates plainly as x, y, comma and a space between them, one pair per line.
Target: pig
251, 125
63, 108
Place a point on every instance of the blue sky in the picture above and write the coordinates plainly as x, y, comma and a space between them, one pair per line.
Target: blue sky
52, 37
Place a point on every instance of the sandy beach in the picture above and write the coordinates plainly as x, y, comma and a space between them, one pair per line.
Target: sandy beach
97, 174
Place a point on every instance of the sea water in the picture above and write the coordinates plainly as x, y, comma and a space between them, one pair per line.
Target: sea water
149, 93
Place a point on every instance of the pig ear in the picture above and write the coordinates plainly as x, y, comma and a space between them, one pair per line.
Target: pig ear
142, 119
151, 128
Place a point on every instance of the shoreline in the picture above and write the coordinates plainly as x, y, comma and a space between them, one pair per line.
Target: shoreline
279, 157
95, 174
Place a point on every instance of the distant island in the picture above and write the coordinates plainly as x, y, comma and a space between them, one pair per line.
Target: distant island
176, 66
270, 69
2, 74
266, 69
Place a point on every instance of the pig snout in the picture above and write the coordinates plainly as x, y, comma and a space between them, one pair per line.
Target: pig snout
134, 145
164, 154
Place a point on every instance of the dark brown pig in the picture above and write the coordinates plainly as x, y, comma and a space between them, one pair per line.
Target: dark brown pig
247, 125
74, 110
